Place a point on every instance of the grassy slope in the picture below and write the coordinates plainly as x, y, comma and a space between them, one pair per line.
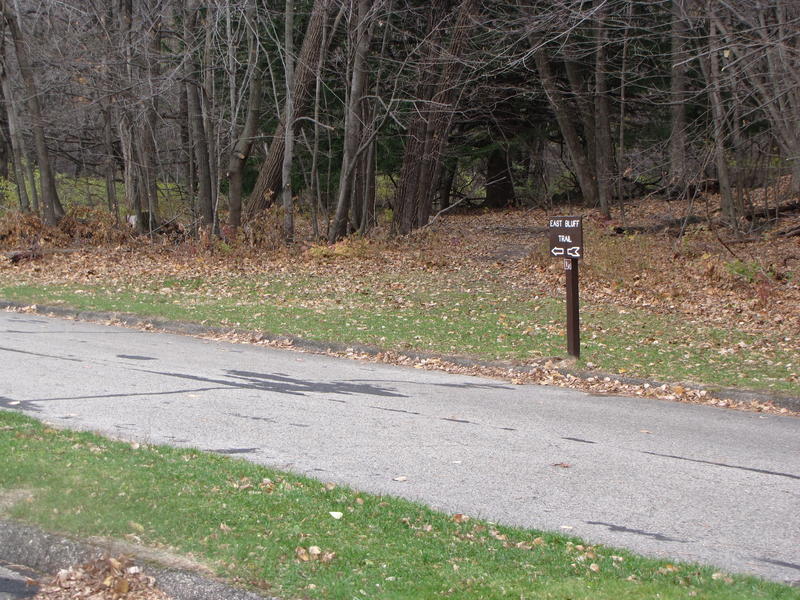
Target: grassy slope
276, 532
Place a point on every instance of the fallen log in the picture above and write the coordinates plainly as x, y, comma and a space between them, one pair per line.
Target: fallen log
780, 210
16, 256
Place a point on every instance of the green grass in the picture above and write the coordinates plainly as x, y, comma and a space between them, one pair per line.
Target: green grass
449, 314
481, 322
90, 191
255, 525
666, 349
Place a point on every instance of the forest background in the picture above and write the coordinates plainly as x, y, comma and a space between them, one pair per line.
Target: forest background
675, 124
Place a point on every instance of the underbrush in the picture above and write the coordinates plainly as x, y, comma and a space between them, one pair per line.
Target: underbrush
82, 227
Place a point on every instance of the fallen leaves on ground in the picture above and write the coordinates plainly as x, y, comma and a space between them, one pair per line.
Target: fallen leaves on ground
102, 579
312, 554
544, 375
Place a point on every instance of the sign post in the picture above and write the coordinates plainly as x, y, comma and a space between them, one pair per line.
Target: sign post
566, 241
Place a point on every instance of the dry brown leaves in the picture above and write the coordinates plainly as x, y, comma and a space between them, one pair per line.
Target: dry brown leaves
551, 374
313, 554
102, 579
548, 373
83, 227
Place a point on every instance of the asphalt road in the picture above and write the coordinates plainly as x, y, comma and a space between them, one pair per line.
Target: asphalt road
692, 483
14, 586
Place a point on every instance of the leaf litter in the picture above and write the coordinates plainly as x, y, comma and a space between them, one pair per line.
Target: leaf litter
105, 578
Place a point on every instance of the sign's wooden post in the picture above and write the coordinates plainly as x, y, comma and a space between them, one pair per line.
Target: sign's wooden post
566, 240
573, 311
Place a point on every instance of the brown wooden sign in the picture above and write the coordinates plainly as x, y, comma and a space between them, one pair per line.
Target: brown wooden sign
566, 237
566, 241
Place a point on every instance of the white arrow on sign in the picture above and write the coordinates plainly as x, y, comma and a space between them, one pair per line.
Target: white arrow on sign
557, 251
575, 251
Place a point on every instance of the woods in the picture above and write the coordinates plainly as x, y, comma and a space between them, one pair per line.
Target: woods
214, 114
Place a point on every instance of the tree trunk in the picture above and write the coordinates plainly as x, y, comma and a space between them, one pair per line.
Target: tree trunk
605, 148
5, 139
446, 187
147, 131
565, 118
207, 98
429, 133
197, 124
27, 165
13, 130
353, 124
622, 110
111, 163
367, 180
316, 200
499, 185
125, 119
244, 144
270, 174
241, 152
200, 150
713, 77
738, 148
586, 114
417, 136
148, 184
129, 168
288, 108
676, 174
445, 101
53, 211
107, 106
188, 144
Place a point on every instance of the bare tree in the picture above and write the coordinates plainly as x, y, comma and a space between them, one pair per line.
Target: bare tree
764, 39
53, 211
270, 174
242, 139
16, 148
429, 132
678, 139
199, 132
289, 110
712, 72
605, 149
354, 119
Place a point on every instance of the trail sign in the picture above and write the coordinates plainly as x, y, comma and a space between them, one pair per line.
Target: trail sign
566, 241
566, 237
